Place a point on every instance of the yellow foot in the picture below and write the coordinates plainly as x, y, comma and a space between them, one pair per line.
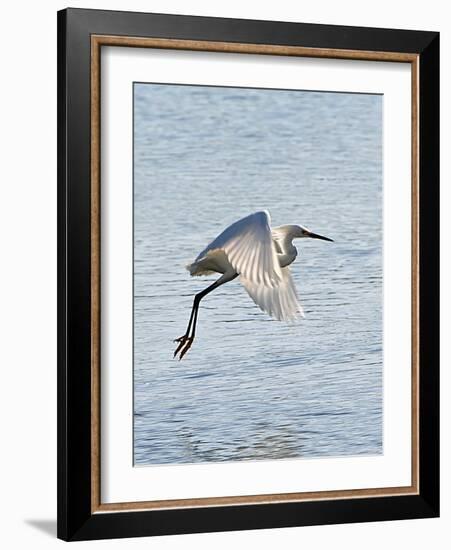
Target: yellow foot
184, 343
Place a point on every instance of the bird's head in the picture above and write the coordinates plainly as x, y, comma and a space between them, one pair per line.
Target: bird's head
303, 233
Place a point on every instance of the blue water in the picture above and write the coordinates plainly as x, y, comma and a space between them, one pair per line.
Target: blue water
251, 387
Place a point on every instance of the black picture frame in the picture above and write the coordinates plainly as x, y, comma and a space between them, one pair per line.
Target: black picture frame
76, 521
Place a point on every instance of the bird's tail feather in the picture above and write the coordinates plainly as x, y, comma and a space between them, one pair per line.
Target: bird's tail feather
196, 270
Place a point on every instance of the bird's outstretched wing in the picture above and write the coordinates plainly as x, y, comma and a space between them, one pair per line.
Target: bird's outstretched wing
249, 247
281, 301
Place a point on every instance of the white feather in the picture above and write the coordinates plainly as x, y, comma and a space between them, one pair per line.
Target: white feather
248, 247
280, 302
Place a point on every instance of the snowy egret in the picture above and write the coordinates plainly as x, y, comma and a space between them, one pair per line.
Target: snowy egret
260, 256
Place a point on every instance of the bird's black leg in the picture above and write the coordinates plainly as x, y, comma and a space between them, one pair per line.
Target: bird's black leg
187, 339
184, 338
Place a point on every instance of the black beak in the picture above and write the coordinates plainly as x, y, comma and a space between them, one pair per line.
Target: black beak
315, 236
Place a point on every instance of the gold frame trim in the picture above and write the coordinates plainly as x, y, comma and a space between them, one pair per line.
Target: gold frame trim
97, 41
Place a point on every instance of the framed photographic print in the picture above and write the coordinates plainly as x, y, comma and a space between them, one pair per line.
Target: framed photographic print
248, 274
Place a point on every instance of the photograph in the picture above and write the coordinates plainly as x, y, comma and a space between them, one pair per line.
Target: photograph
248, 273
224, 322
257, 274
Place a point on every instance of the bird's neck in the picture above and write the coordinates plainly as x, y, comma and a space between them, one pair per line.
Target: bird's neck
286, 244
288, 255
287, 252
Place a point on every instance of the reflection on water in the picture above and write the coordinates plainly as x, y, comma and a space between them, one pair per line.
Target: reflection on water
251, 387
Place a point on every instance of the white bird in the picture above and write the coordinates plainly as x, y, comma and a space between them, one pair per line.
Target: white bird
260, 256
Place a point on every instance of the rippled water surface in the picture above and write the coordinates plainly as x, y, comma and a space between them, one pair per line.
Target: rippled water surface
251, 387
